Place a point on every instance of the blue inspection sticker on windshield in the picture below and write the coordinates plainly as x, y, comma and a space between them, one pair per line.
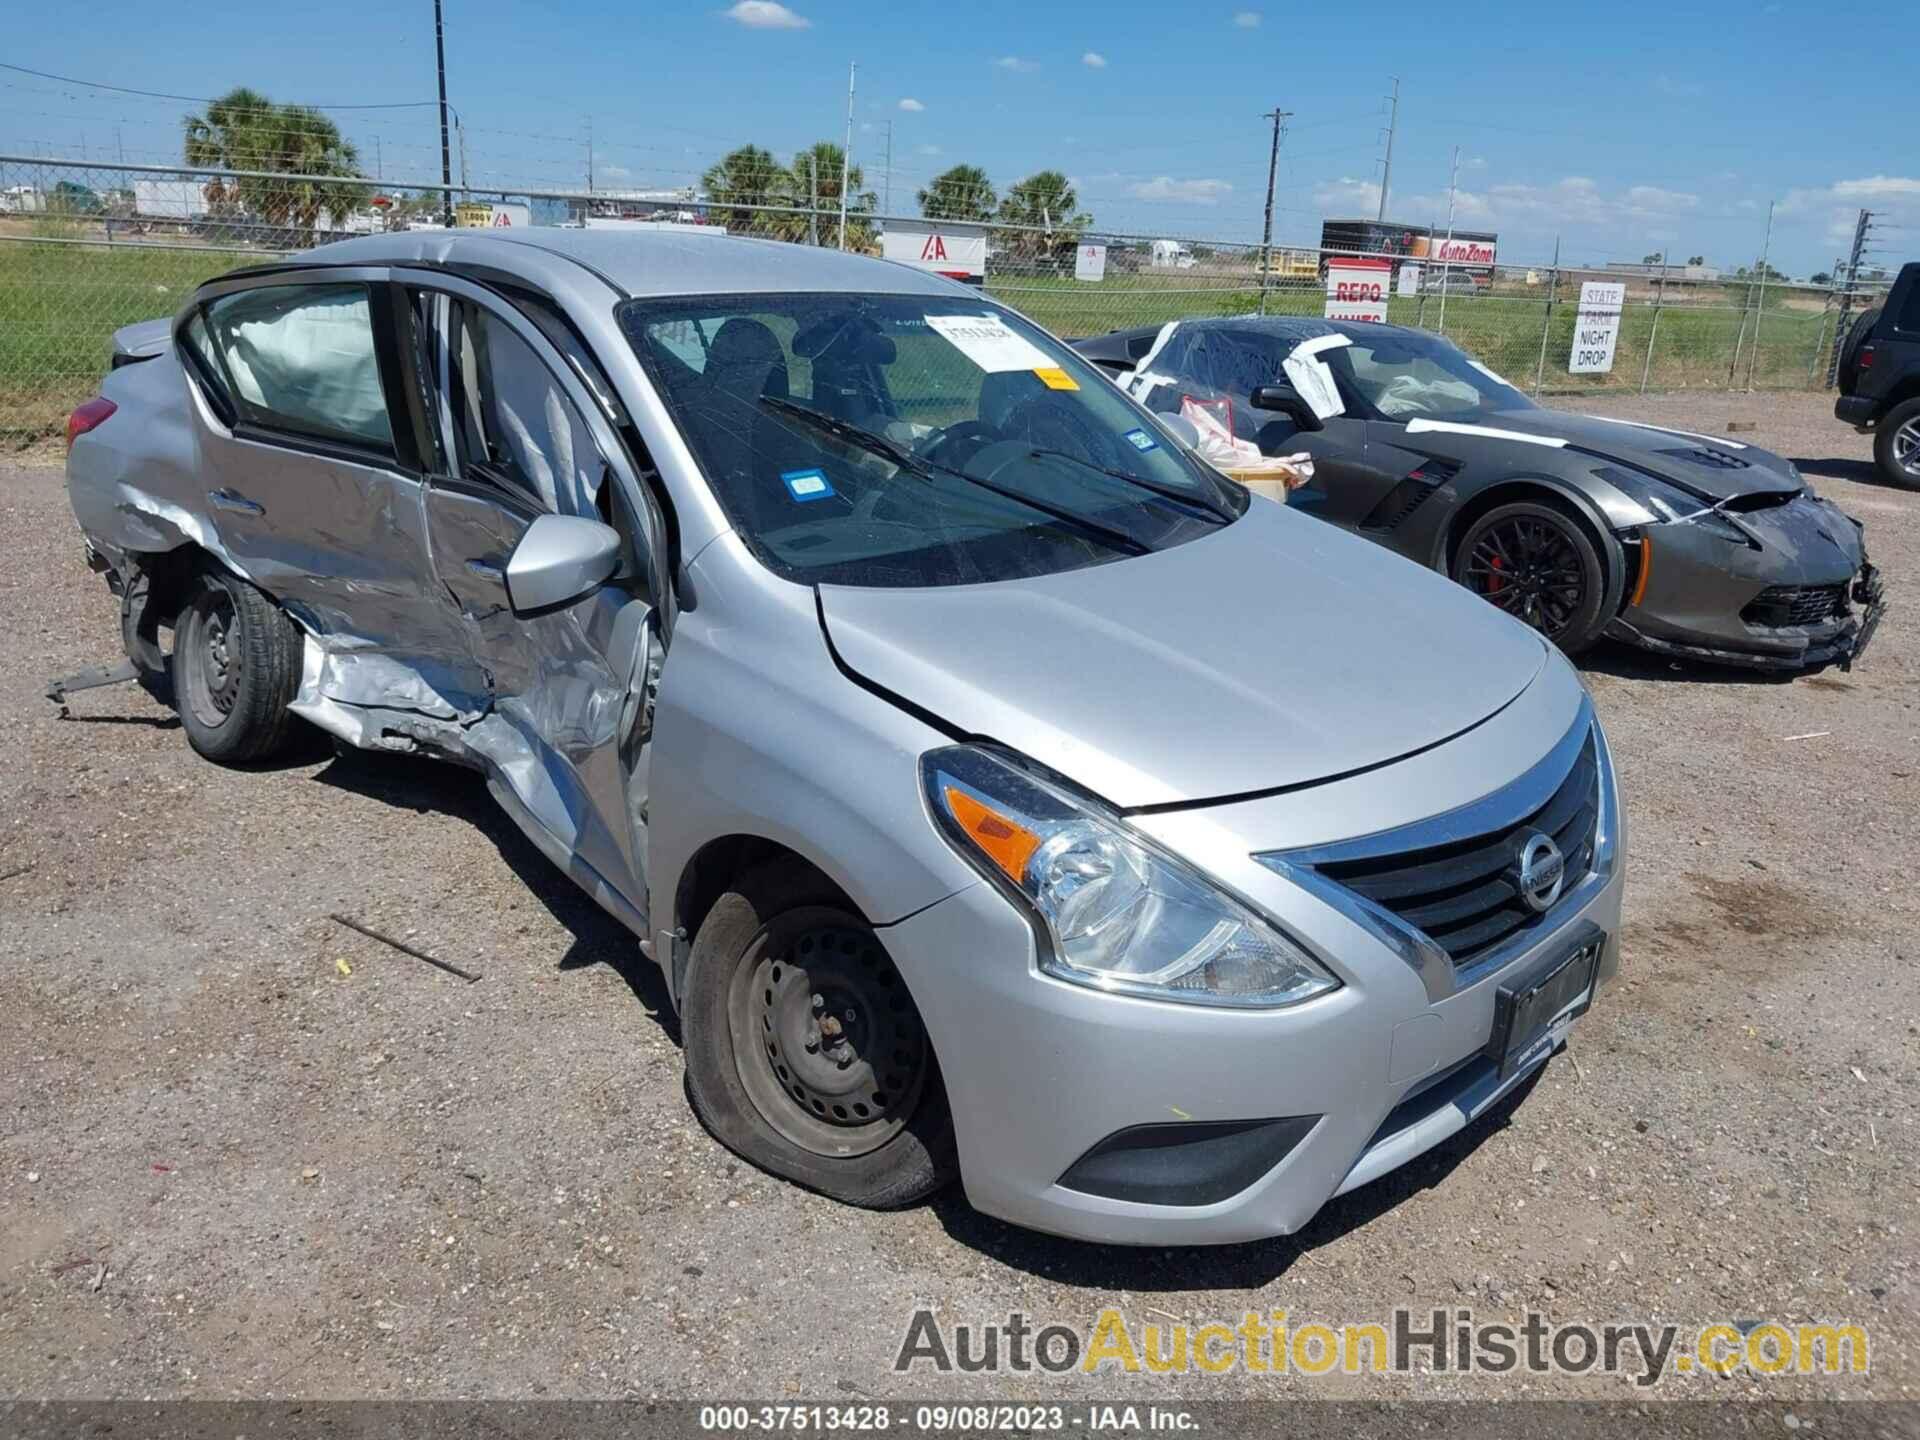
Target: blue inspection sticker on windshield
807, 484
1140, 440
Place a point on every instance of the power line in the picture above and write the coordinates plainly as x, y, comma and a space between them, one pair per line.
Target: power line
200, 99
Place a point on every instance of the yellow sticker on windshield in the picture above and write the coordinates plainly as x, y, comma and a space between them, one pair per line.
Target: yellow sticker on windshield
1054, 378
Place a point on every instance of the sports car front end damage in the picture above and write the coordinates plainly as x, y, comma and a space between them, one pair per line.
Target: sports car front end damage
1782, 585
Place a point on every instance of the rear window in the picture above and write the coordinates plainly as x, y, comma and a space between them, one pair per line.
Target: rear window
302, 358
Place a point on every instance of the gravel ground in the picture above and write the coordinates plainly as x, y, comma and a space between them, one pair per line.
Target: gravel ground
247, 1153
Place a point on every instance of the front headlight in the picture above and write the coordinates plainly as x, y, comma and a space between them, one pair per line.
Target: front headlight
1670, 504
1119, 913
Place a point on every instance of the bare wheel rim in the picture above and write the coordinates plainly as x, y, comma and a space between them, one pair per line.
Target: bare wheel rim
1528, 566
827, 1042
208, 651
1906, 446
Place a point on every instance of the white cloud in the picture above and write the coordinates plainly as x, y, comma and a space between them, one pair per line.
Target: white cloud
1094, 60
1894, 199
765, 15
1347, 196
1016, 63
614, 172
929, 149
1247, 19
1191, 192
912, 105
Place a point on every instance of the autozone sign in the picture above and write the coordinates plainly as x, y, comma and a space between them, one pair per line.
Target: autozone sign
955, 249
1461, 251
1358, 289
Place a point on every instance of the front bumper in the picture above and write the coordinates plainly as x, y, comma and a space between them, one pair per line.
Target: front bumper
1039, 1072
1701, 588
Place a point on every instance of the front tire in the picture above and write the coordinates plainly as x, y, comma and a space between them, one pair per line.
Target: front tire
1538, 563
805, 1054
236, 667
1896, 445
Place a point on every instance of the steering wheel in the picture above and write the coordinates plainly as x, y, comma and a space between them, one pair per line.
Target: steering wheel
1048, 422
959, 433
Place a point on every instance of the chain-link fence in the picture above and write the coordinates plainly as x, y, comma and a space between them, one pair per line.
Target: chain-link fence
87, 248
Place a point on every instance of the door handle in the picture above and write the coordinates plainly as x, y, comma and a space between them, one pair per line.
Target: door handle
487, 571
236, 502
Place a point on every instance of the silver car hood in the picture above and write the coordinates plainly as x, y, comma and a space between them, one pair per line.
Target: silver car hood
1275, 652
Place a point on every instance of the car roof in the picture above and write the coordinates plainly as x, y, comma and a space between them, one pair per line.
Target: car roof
1292, 329
645, 262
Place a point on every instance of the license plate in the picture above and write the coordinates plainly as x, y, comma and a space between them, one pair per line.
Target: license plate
1532, 1011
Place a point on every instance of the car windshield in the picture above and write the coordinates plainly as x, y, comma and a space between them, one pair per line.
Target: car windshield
1400, 376
883, 440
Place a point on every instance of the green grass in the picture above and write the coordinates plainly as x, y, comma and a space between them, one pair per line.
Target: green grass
1693, 344
59, 307
60, 304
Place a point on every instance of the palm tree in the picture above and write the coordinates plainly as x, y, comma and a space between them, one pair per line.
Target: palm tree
814, 178
746, 176
243, 130
1047, 212
961, 192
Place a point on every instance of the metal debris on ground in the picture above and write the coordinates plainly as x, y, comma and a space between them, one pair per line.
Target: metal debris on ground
1810, 735
91, 678
404, 948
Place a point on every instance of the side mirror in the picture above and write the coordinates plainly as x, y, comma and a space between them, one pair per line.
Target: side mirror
1182, 429
1288, 401
560, 559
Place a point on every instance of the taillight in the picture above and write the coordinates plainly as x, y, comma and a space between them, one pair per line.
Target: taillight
1865, 359
87, 416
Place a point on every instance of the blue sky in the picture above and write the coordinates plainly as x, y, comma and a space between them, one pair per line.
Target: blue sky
1619, 132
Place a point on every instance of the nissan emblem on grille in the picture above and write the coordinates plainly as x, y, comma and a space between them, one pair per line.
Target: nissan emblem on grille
1540, 874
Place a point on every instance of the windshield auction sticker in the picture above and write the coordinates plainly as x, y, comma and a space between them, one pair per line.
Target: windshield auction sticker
988, 343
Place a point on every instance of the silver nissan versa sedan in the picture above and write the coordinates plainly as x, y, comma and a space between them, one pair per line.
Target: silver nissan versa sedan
1001, 791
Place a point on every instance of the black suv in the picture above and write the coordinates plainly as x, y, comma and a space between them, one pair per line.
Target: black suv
1880, 379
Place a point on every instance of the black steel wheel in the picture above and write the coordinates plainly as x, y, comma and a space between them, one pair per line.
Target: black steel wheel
236, 667
825, 1037
805, 1053
1537, 563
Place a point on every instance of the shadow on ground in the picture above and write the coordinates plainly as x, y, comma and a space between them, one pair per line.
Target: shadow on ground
1233, 1268
1628, 662
1860, 472
598, 939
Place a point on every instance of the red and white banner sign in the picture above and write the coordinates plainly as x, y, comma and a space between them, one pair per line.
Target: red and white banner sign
956, 249
1459, 251
1358, 289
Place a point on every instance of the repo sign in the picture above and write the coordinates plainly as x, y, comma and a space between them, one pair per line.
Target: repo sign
1357, 289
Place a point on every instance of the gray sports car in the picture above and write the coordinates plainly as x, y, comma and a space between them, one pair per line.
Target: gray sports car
1688, 544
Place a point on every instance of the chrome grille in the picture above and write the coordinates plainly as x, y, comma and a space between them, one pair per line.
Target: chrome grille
1462, 894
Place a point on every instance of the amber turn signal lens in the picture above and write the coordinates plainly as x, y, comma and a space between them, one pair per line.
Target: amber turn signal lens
1008, 844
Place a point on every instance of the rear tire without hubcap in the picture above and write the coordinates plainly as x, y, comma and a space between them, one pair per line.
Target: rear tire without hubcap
236, 666
805, 1054
1538, 564
1896, 445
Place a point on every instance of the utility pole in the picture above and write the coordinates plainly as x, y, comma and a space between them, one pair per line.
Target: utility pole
1386, 172
446, 159
846, 155
889, 200
1760, 309
1446, 266
1279, 118
1860, 229
589, 154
